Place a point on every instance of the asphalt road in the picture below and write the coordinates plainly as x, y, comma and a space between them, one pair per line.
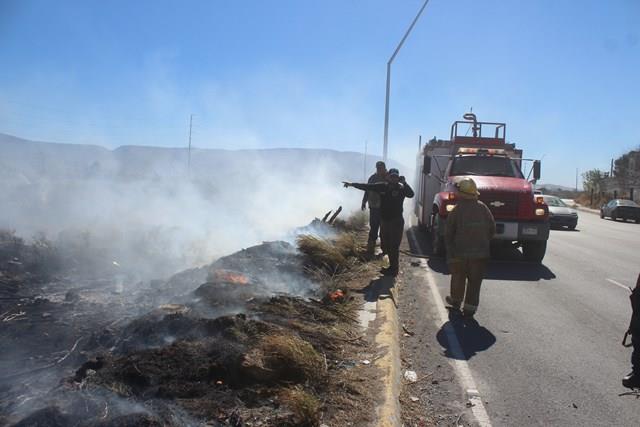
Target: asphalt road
547, 347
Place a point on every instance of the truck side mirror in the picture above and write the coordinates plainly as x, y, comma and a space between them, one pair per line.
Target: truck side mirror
536, 170
426, 166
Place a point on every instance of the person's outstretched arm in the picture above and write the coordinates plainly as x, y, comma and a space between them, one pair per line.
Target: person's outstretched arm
378, 188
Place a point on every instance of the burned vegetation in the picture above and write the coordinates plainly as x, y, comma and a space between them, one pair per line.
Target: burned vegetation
267, 336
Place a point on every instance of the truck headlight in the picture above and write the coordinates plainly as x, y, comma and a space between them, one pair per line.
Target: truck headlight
450, 207
539, 212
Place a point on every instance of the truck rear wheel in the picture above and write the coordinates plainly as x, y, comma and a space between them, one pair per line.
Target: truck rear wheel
534, 251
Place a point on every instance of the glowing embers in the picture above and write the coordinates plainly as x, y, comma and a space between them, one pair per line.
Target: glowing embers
228, 276
173, 309
336, 296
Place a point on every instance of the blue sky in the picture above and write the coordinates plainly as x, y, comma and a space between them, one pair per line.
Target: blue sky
282, 73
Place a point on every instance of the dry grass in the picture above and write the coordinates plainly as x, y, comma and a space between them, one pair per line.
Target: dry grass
294, 355
39, 256
349, 245
322, 252
9, 237
335, 254
304, 406
357, 221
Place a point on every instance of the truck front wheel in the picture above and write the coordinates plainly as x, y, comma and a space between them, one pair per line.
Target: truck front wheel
534, 251
437, 241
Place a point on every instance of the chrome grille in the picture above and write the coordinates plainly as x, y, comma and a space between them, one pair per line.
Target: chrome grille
500, 204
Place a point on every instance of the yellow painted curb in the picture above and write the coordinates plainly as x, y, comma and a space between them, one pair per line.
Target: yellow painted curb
387, 340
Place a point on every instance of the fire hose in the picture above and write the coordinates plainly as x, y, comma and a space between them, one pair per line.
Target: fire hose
414, 255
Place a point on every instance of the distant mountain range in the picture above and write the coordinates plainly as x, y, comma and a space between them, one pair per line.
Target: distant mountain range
554, 187
25, 160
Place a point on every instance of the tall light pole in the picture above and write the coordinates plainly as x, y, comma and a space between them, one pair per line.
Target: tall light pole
386, 103
189, 153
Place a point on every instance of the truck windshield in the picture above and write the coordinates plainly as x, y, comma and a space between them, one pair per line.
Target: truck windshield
486, 166
554, 201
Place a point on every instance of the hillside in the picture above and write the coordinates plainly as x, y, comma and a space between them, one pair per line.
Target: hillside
36, 160
139, 207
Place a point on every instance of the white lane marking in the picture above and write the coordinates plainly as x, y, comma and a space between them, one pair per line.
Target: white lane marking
459, 363
617, 284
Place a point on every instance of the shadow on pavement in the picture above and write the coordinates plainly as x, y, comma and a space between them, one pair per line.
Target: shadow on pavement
568, 230
380, 288
473, 337
506, 263
500, 270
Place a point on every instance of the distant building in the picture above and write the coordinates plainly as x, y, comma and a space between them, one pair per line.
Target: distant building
625, 182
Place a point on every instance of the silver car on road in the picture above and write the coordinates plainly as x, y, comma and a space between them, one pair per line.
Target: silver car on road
560, 214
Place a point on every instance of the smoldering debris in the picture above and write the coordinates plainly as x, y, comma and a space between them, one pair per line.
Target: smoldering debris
20, 261
254, 338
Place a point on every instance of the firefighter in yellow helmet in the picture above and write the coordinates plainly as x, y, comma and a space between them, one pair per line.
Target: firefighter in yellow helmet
470, 227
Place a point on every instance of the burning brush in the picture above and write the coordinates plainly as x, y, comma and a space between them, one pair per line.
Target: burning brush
228, 276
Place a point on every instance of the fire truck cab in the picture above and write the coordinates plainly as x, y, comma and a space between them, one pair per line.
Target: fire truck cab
479, 150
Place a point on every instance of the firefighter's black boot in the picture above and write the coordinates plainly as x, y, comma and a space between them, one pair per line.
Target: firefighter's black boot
631, 380
455, 305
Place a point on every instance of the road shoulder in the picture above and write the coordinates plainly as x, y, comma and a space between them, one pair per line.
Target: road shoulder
436, 398
386, 341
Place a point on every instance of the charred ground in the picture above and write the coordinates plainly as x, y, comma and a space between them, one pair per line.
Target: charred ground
261, 337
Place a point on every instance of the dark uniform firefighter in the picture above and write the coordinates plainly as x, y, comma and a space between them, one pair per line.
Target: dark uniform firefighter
373, 199
633, 379
392, 195
470, 227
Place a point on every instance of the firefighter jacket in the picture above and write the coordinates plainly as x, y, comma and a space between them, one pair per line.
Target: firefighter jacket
470, 227
635, 309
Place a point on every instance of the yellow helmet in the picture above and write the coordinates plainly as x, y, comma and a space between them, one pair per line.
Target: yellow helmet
467, 186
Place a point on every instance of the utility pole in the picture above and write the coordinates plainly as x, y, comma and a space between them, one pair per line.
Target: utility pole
611, 169
576, 180
386, 102
189, 158
364, 175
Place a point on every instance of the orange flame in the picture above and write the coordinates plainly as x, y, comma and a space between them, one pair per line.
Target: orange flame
230, 277
337, 295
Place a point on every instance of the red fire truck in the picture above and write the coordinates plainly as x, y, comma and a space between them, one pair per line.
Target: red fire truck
479, 150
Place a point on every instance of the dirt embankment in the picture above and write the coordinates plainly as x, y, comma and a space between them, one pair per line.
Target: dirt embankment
585, 200
264, 337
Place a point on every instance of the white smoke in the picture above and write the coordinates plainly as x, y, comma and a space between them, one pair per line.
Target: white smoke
150, 219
